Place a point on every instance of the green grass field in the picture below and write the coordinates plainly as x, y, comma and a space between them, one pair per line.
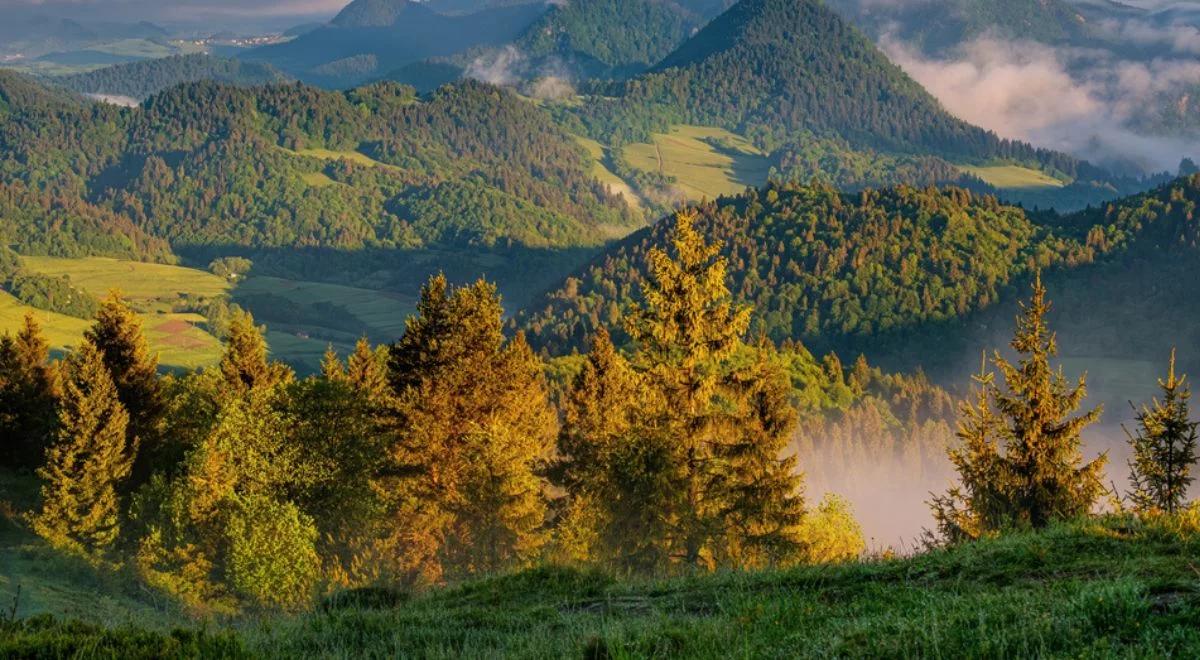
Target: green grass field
615, 183
1108, 587
352, 156
702, 169
1013, 177
151, 289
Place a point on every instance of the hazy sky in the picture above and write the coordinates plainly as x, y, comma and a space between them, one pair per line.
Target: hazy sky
227, 12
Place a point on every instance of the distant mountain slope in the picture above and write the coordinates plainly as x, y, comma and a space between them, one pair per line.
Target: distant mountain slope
846, 271
936, 25
605, 35
139, 80
371, 37
289, 166
774, 70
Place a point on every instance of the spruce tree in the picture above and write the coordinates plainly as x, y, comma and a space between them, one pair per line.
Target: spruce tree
245, 366
88, 462
460, 387
117, 332
691, 469
1021, 463
28, 397
1164, 448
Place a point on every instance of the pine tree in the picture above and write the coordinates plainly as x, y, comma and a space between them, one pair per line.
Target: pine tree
366, 371
1164, 448
1021, 463
690, 470
86, 465
761, 505
28, 397
245, 365
117, 332
459, 388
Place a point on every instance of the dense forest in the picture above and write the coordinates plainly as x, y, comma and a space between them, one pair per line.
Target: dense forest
288, 165
138, 80
610, 35
837, 270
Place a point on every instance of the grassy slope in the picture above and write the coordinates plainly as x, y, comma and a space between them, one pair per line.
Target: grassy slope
1008, 177
700, 168
151, 289
615, 183
1108, 587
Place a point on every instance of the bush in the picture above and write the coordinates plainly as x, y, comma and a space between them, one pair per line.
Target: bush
831, 534
272, 557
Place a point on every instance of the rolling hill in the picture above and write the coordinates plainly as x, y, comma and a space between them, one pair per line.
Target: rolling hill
139, 80
899, 273
372, 37
936, 26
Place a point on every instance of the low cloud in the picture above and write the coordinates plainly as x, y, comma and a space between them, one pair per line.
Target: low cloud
1085, 102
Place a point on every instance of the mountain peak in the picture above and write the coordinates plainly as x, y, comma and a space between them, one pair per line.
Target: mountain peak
376, 13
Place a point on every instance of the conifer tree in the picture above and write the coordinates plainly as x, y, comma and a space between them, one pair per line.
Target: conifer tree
460, 387
1021, 463
1164, 448
689, 470
245, 365
117, 332
86, 465
366, 371
28, 398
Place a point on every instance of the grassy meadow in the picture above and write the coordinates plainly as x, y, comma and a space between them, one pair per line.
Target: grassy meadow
1010, 177
1109, 587
303, 318
705, 161
615, 183
155, 291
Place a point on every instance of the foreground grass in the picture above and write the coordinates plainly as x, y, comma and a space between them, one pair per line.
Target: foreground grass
1112, 587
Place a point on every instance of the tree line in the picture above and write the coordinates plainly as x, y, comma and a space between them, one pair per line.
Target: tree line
450, 453
438, 457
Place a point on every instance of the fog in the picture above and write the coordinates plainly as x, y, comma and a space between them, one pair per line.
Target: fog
1087, 102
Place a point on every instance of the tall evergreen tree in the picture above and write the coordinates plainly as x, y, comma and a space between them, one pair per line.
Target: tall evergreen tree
245, 365
1021, 463
117, 332
86, 465
1164, 448
28, 399
460, 389
691, 469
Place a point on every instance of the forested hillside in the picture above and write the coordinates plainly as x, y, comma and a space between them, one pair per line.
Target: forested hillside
372, 37
292, 166
838, 270
139, 80
603, 36
938, 25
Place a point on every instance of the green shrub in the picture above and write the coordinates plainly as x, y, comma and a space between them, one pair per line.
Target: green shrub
272, 557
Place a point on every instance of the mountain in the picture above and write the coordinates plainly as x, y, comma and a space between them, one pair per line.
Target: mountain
936, 26
32, 33
602, 36
778, 71
371, 37
139, 80
289, 166
868, 272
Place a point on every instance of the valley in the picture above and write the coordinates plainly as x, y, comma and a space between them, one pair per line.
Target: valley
605, 328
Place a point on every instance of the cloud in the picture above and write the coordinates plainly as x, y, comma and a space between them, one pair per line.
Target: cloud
505, 66
1084, 102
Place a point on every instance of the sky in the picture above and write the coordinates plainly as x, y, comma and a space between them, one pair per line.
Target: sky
228, 13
